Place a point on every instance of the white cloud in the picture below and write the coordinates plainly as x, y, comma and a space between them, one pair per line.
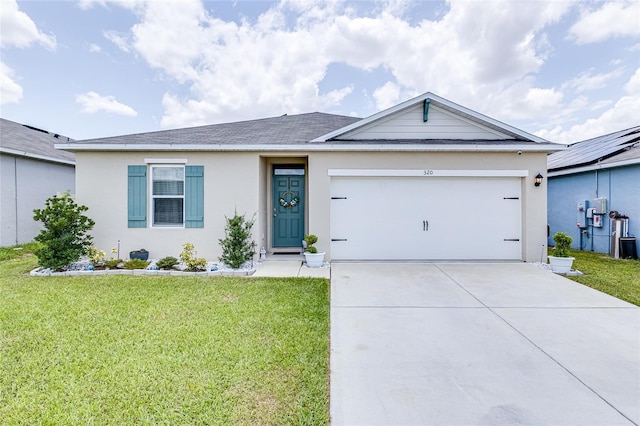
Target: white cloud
17, 29
633, 85
92, 102
622, 115
94, 48
10, 91
118, 39
481, 54
387, 95
613, 19
587, 81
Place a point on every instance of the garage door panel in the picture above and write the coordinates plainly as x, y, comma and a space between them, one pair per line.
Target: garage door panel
432, 218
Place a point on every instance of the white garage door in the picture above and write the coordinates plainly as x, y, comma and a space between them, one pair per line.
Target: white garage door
425, 218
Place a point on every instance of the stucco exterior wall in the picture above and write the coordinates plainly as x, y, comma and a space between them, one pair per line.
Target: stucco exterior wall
242, 180
620, 186
534, 198
26, 184
231, 182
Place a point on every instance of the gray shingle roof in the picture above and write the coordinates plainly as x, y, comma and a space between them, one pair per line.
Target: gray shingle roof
594, 150
283, 130
19, 139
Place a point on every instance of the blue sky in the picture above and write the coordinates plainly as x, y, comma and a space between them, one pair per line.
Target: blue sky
564, 70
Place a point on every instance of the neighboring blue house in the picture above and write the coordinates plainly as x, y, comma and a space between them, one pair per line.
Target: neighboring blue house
593, 185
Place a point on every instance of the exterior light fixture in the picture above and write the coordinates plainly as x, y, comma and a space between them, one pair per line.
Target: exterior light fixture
537, 180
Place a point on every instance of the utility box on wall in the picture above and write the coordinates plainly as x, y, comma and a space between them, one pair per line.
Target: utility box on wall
581, 217
599, 205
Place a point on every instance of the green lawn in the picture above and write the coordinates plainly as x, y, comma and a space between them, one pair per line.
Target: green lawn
161, 350
617, 277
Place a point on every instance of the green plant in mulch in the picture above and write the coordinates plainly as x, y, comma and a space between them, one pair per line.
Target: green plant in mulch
112, 263
167, 262
64, 236
136, 264
188, 257
96, 256
236, 245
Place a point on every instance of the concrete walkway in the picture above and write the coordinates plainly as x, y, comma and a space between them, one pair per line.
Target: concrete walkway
290, 268
472, 344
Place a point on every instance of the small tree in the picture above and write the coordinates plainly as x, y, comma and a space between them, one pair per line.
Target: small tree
64, 237
236, 245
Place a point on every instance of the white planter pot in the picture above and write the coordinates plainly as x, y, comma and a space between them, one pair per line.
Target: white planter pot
314, 260
560, 265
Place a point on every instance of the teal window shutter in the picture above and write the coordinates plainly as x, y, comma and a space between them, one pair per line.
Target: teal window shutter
194, 197
137, 197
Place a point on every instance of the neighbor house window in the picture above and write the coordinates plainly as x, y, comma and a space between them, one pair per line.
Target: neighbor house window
167, 195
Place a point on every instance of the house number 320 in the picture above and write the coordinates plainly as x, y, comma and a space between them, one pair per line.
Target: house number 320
428, 172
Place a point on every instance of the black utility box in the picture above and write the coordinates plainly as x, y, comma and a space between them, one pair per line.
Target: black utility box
628, 248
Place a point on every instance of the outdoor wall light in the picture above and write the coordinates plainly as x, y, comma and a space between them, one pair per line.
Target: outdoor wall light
537, 180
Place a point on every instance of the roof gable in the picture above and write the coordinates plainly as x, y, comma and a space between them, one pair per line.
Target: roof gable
445, 121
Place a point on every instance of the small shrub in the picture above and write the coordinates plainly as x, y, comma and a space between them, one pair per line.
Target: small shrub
236, 245
563, 244
96, 256
112, 263
65, 235
188, 257
167, 262
310, 240
136, 264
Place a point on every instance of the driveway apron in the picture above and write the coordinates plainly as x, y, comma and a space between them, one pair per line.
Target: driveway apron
483, 343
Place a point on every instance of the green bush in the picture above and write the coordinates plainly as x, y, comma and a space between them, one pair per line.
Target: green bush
136, 264
236, 245
167, 262
563, 244
310, 240
112, 263
188, 257
64, 237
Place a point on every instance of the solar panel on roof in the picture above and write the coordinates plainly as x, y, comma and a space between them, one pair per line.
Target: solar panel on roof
592, 150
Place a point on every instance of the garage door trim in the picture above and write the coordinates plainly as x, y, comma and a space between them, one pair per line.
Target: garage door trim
427, 173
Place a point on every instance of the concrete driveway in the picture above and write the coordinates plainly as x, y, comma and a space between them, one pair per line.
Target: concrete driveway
472, 344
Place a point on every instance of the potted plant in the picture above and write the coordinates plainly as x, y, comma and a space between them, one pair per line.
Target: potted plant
561, 261
311, 255
141, 254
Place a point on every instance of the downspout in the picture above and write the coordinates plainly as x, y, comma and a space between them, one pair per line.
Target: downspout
593, 229
15, 192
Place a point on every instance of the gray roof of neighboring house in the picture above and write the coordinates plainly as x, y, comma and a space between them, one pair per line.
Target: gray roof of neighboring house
284, 130
22, 140
614, 145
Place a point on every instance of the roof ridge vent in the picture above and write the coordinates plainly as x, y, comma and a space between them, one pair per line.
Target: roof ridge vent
35, 128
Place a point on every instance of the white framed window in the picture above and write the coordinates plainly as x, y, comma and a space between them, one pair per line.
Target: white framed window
167, 195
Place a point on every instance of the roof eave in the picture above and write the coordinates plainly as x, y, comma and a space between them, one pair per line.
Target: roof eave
592, 167
325, 147
26, 154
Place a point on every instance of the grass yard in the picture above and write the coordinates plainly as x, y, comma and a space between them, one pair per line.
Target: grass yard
161, 350
617, 277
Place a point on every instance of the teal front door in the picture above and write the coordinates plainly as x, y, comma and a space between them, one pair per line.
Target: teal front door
288, 207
